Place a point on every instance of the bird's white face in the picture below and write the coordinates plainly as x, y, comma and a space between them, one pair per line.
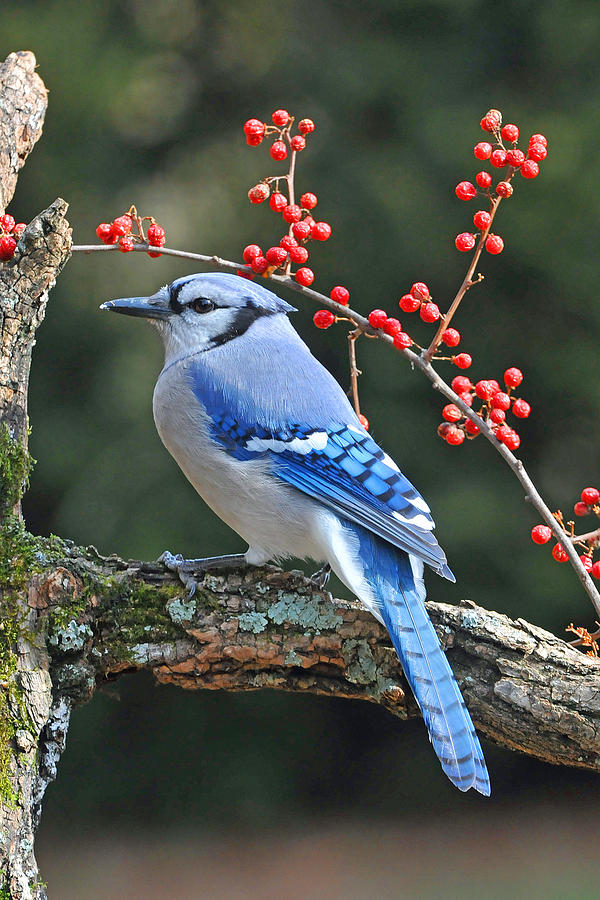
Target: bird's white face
201, 312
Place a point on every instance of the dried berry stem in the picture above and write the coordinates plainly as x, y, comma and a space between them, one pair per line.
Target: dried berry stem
424, 366
468, 282
589, 538
354, 370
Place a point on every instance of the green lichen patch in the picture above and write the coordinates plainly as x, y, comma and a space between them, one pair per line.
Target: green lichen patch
253, 621
15, 468
308, 612
181, 610
13, 714
361, 665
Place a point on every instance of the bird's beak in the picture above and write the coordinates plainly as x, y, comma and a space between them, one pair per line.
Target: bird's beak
154, 307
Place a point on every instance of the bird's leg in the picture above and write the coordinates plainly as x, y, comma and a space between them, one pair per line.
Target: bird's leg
184, 567
321, 577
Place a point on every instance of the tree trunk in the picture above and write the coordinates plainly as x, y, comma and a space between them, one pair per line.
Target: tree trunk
71, 619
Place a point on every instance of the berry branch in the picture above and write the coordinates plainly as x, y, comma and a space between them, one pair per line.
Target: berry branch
461, 420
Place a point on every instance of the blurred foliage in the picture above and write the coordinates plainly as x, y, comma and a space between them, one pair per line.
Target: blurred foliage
147, 100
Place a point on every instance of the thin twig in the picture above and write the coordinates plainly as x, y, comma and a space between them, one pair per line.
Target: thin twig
354, 370
425, 367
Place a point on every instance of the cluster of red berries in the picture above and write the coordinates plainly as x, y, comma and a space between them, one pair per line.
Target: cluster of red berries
589, 503
496, 402
510, 161
128, 230
10, 232
298, 217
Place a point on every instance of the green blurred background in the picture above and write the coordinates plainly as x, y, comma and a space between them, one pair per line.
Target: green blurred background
163, 794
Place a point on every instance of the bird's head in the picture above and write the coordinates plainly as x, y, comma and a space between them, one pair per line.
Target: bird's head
200, 312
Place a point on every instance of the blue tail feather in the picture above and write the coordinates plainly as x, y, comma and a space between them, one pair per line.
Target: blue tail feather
399, 593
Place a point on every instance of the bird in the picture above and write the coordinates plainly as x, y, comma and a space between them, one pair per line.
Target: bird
270, 441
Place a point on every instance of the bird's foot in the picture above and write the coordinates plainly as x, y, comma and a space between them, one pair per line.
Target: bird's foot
321, 577
186, 568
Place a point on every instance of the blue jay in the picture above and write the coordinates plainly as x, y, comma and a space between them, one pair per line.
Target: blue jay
270, 442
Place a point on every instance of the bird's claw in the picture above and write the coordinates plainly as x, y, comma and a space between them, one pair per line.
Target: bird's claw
175, 563
321, 578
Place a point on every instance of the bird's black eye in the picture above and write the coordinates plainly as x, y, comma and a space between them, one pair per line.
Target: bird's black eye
202, 305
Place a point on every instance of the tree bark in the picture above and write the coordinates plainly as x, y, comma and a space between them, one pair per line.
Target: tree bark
70, 619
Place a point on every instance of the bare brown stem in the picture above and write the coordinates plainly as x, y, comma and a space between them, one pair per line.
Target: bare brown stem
468, 282
421, 363
354, 370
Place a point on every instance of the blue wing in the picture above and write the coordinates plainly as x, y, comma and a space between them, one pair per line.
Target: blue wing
341, 466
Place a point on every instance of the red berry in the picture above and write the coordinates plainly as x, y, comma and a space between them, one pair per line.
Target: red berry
541, 534
537, 152
305, 276
495, 385
308, 201
595, 570
301, 230
464, 190
451, 413
253, 140
483, 150
408, 303
377, 318
19, 229
298, 143
559, 554
497, 416
156, 235
451, 337
494, 244
500, 400
402, 340
392, 327
323, 318
292, 213
309, 221
464, 241
581, 509
254, 127
471, 428
305, 126
460, 384
280, 117
259, 265
251, 252
122, 225
510, 133
512, 440
298, 255
530, 169
321, 231
7, 223
8, 246
586, 562
276, 256
521, 409
467, 398
484, 390
363, 421
430, 312
515, 158
492, 120
340, 294
482, 219
463, 360
454, 436
240, 272
538, 139
483, 179
278, 202
513, 377
504, 189
590, 496
126, 244
259, 193
420, 291
287, 242
498, 159
104, 232
278, 151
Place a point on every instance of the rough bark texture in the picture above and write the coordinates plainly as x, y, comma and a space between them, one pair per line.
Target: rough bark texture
70, 619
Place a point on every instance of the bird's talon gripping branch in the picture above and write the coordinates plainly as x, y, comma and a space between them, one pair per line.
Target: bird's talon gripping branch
322, 576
